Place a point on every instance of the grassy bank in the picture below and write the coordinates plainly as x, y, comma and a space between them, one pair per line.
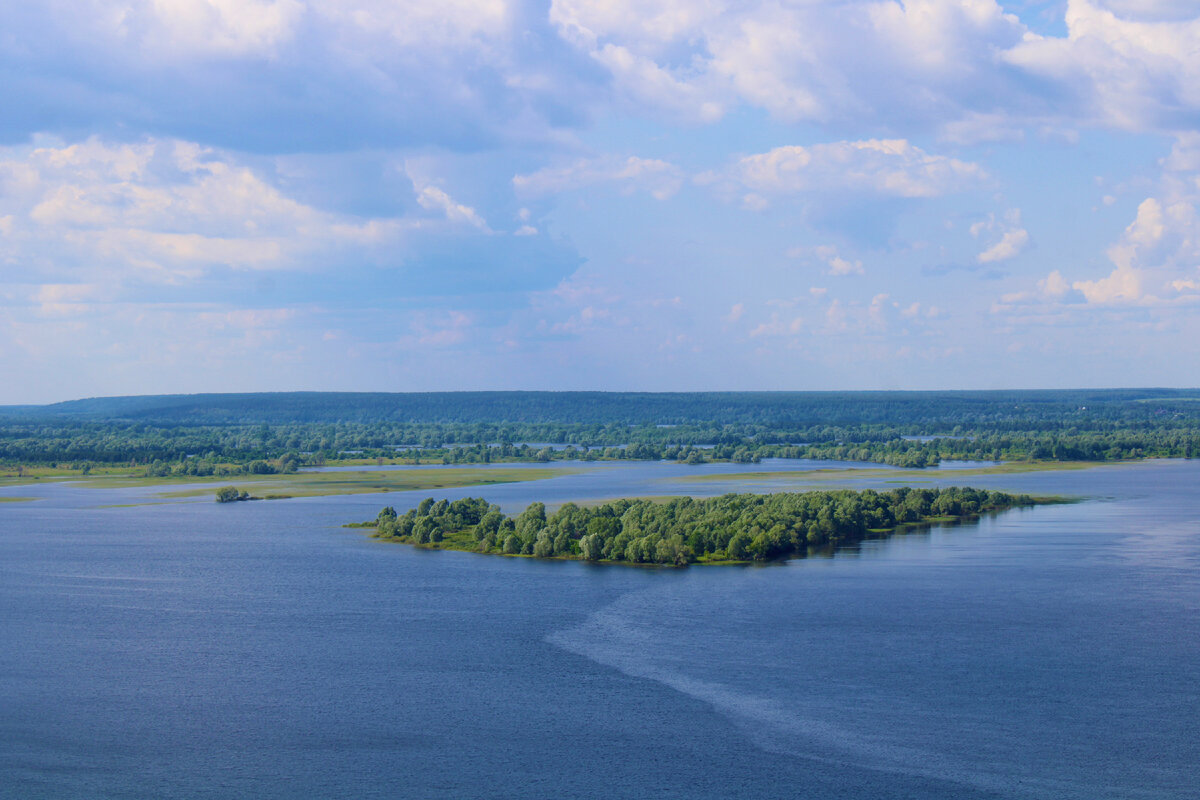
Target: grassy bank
320, 484
903, 476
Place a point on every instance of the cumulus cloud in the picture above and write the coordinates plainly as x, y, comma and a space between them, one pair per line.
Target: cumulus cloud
153, 216
1139, 243
659, 178
1154, 260
1122, 285
1054, 285
892, 167
1010, 246
800, 61
219, 27
1134, 66
1013, 238
290, 75
472, 73
168, 209
964, 68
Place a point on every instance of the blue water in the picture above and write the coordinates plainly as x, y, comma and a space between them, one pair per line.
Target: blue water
193, 650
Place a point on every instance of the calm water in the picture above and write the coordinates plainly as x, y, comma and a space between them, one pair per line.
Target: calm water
193, 650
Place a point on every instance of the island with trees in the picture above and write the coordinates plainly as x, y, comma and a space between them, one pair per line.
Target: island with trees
231, 494
680, 531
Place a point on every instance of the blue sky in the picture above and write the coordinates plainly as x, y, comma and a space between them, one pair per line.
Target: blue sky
241, 195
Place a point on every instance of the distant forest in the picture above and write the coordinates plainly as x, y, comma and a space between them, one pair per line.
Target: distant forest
219, 434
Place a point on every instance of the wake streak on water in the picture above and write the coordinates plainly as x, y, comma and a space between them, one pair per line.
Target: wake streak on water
622, 637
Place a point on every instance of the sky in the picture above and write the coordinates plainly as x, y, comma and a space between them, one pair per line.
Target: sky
371, 195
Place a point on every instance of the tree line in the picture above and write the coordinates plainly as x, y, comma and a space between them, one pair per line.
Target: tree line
218, 435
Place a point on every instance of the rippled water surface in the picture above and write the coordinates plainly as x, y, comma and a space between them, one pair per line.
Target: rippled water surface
194, 650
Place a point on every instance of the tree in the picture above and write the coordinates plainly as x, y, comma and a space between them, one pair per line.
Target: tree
227, 494
737, 548
531, 520
589, 547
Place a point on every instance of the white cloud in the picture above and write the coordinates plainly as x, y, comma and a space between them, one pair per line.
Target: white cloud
834, 262
1054, 285
840, 266
418, 23
1157, 255
892, 167
174, 30
1122, 67
1122, 285
223, 27
1013, 238
169, 211
1139, 243
1010, 246
431, 198
801, 61
292, 75
660, 178
964, 68
1185, 153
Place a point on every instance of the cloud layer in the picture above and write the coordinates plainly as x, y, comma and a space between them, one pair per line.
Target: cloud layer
576, 193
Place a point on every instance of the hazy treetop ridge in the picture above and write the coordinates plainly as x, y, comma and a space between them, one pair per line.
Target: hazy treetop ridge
600, 408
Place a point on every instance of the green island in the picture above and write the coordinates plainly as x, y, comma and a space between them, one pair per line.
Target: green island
733, 528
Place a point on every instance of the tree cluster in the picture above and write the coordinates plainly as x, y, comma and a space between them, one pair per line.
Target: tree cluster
733, 527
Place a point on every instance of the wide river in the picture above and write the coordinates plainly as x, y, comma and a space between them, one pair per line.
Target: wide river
187, 649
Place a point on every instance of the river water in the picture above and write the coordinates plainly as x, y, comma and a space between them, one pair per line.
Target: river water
187, 649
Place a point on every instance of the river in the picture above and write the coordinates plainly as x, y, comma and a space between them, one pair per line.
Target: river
187, 649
